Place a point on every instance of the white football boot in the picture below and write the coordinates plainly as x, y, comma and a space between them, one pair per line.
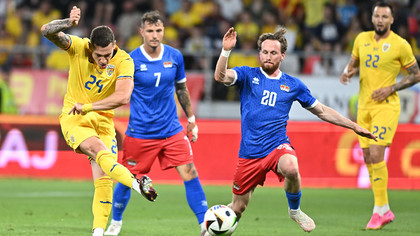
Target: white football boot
304, 221
114, 228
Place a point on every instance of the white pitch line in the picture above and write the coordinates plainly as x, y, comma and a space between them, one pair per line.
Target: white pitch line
46, 194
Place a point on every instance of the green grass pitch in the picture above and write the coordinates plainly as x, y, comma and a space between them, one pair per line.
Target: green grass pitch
56, 207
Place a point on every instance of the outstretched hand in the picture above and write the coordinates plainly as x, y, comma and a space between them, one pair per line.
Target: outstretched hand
364, 133
229, 39
75, 16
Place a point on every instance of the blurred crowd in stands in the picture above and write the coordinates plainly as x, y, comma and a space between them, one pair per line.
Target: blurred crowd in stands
318, 30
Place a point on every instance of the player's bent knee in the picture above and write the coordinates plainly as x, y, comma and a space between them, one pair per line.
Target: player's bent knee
290, 171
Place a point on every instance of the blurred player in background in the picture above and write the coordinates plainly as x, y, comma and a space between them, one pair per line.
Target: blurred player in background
380, 54
266, 96
154, 130
100, 80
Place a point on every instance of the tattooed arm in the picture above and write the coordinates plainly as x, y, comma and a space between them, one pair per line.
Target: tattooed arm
185, 102
53, 30
411, 79
184, 98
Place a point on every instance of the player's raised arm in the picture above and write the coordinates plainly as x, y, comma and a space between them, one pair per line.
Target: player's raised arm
222, 74
53, 30
351, 69
328, 114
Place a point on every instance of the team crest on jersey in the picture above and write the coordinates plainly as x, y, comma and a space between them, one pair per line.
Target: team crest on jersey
72, 139
167, 64
110, 70
385, 47
284, 88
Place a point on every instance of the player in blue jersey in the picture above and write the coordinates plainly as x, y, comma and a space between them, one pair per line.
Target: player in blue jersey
266, 96
154, 130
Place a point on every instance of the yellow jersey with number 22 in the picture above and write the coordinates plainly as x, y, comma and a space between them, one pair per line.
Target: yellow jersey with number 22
380, 64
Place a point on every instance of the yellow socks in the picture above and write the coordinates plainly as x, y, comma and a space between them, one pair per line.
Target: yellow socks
106, 160
102, 202
370, 169
379, 180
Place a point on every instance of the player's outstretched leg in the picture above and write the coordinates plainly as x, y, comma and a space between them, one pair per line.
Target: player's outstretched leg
146, 189
304, 221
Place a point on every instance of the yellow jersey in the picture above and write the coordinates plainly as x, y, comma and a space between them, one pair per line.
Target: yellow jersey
87, 83
380, 64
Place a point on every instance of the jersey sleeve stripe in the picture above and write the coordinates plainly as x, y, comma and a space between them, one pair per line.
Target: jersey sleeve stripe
354, 57
181, 81
70, 42
124, 77
313, 104
410, 64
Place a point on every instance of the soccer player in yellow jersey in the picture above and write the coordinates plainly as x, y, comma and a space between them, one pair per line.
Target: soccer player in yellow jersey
100, 80
379, 55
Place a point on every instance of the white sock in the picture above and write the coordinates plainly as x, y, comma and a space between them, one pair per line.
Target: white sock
98, 232
116, 222
381, 210
136, 186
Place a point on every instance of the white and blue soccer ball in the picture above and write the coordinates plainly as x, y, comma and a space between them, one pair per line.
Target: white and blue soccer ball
220, 220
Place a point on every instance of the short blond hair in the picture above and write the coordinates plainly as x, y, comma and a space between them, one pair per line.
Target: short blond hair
278, 35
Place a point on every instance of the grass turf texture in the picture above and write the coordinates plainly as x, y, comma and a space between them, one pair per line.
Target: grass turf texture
46, 207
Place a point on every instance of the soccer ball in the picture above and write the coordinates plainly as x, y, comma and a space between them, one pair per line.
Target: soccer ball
220, 220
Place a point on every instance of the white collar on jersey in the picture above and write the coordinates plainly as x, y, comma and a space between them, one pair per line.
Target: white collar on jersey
277, 77
149, 57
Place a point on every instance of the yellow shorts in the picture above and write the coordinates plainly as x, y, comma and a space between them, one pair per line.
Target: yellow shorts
77, 128
382, 122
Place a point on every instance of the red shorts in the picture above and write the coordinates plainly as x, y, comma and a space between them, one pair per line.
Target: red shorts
251, 172
139, 154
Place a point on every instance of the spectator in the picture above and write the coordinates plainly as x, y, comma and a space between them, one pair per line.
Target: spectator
269, 22
246, 28
185, 19
196, 46
230, 9
348, 39
203, 8
172, 6
212, 24
104, 11
346, 12
329, 31
127, 22
258, 8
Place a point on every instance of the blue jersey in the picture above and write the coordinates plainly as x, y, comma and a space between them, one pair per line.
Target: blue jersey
265, 107
153, 111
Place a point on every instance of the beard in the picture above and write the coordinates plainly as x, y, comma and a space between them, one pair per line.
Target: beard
380, 32
271, 68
